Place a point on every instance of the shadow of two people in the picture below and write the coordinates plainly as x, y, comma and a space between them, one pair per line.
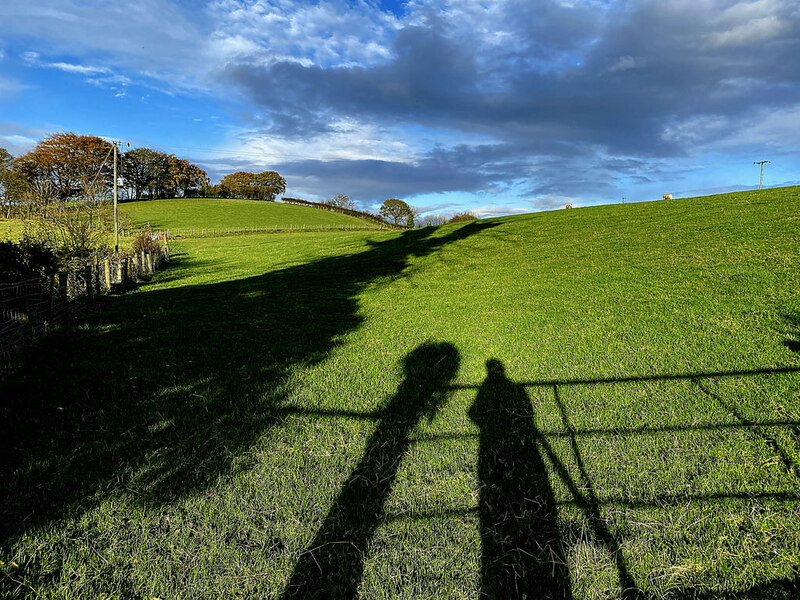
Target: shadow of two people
521, 551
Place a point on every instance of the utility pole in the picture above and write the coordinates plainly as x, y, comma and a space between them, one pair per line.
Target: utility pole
116, 212
761, 180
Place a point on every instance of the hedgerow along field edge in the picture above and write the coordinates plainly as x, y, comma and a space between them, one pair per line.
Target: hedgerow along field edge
427, 414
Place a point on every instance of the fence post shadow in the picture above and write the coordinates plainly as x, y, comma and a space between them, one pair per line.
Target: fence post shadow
522, 553
332, 566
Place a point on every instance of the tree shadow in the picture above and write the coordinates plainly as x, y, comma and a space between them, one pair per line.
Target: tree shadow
168, 389
523, 555
333, 564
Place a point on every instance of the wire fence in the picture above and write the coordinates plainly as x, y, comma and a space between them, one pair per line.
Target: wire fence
35, 306
202, 232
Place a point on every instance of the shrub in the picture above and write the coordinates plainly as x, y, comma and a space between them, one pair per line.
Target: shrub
68, 231
26, 260
147, 241
467, 215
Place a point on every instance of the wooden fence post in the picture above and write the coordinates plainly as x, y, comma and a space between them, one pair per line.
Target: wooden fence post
62, 286
107, 268
87, 275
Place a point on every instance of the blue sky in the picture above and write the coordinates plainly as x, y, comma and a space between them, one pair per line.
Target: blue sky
499, 106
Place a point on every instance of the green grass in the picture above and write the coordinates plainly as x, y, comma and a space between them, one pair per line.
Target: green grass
600, 402
10, 229
208, 213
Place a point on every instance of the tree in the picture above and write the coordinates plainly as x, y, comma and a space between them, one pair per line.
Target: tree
433, 220
161, 175
261, 186
396, 210
268, 184
12, 183
66, 160
140, 167
341, 201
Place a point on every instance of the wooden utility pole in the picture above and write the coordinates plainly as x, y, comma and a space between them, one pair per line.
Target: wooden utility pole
761, 180
116, 212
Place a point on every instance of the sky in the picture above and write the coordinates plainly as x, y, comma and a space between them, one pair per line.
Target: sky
494, 106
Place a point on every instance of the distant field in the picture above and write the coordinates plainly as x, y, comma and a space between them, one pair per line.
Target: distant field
182, 213
10, 229
594, 403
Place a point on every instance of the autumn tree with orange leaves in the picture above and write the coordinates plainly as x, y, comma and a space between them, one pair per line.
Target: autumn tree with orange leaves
68, 162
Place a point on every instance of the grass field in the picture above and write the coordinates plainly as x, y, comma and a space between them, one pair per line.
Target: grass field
210, 213
592, 403
10, 229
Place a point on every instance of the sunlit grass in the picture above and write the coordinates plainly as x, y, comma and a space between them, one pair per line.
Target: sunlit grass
221, 213
200, 438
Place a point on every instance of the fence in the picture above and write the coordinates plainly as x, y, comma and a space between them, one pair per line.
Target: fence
194, 232
34, 306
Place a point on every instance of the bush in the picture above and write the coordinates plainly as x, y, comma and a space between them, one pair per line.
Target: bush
146, 241
26, 260
68, 231
467, 215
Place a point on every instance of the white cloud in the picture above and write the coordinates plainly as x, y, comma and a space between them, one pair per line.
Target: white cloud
750, 23
349, 140
493, 210
18, 139
327, 33
625, 63
79, 69
750, 33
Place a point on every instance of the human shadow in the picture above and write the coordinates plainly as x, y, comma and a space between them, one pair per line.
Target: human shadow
523, 555
332, 565
166, 390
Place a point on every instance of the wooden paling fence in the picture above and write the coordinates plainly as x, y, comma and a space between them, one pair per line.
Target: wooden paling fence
34, 306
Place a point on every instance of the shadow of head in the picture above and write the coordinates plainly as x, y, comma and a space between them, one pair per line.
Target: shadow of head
427, 372
495, 369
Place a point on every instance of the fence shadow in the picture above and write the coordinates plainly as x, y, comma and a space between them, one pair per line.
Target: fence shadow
167, 389
332, 565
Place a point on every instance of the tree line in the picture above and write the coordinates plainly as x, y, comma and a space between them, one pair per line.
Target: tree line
67, 166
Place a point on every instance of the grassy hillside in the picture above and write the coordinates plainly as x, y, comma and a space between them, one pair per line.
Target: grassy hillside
598, 403
10, 229
178, 213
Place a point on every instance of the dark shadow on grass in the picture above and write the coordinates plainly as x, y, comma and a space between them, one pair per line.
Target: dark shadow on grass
167, 389
332, 565
523, 555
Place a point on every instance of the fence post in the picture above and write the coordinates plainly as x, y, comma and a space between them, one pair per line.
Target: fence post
107, 268
62, 286
87, 274
149, 261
